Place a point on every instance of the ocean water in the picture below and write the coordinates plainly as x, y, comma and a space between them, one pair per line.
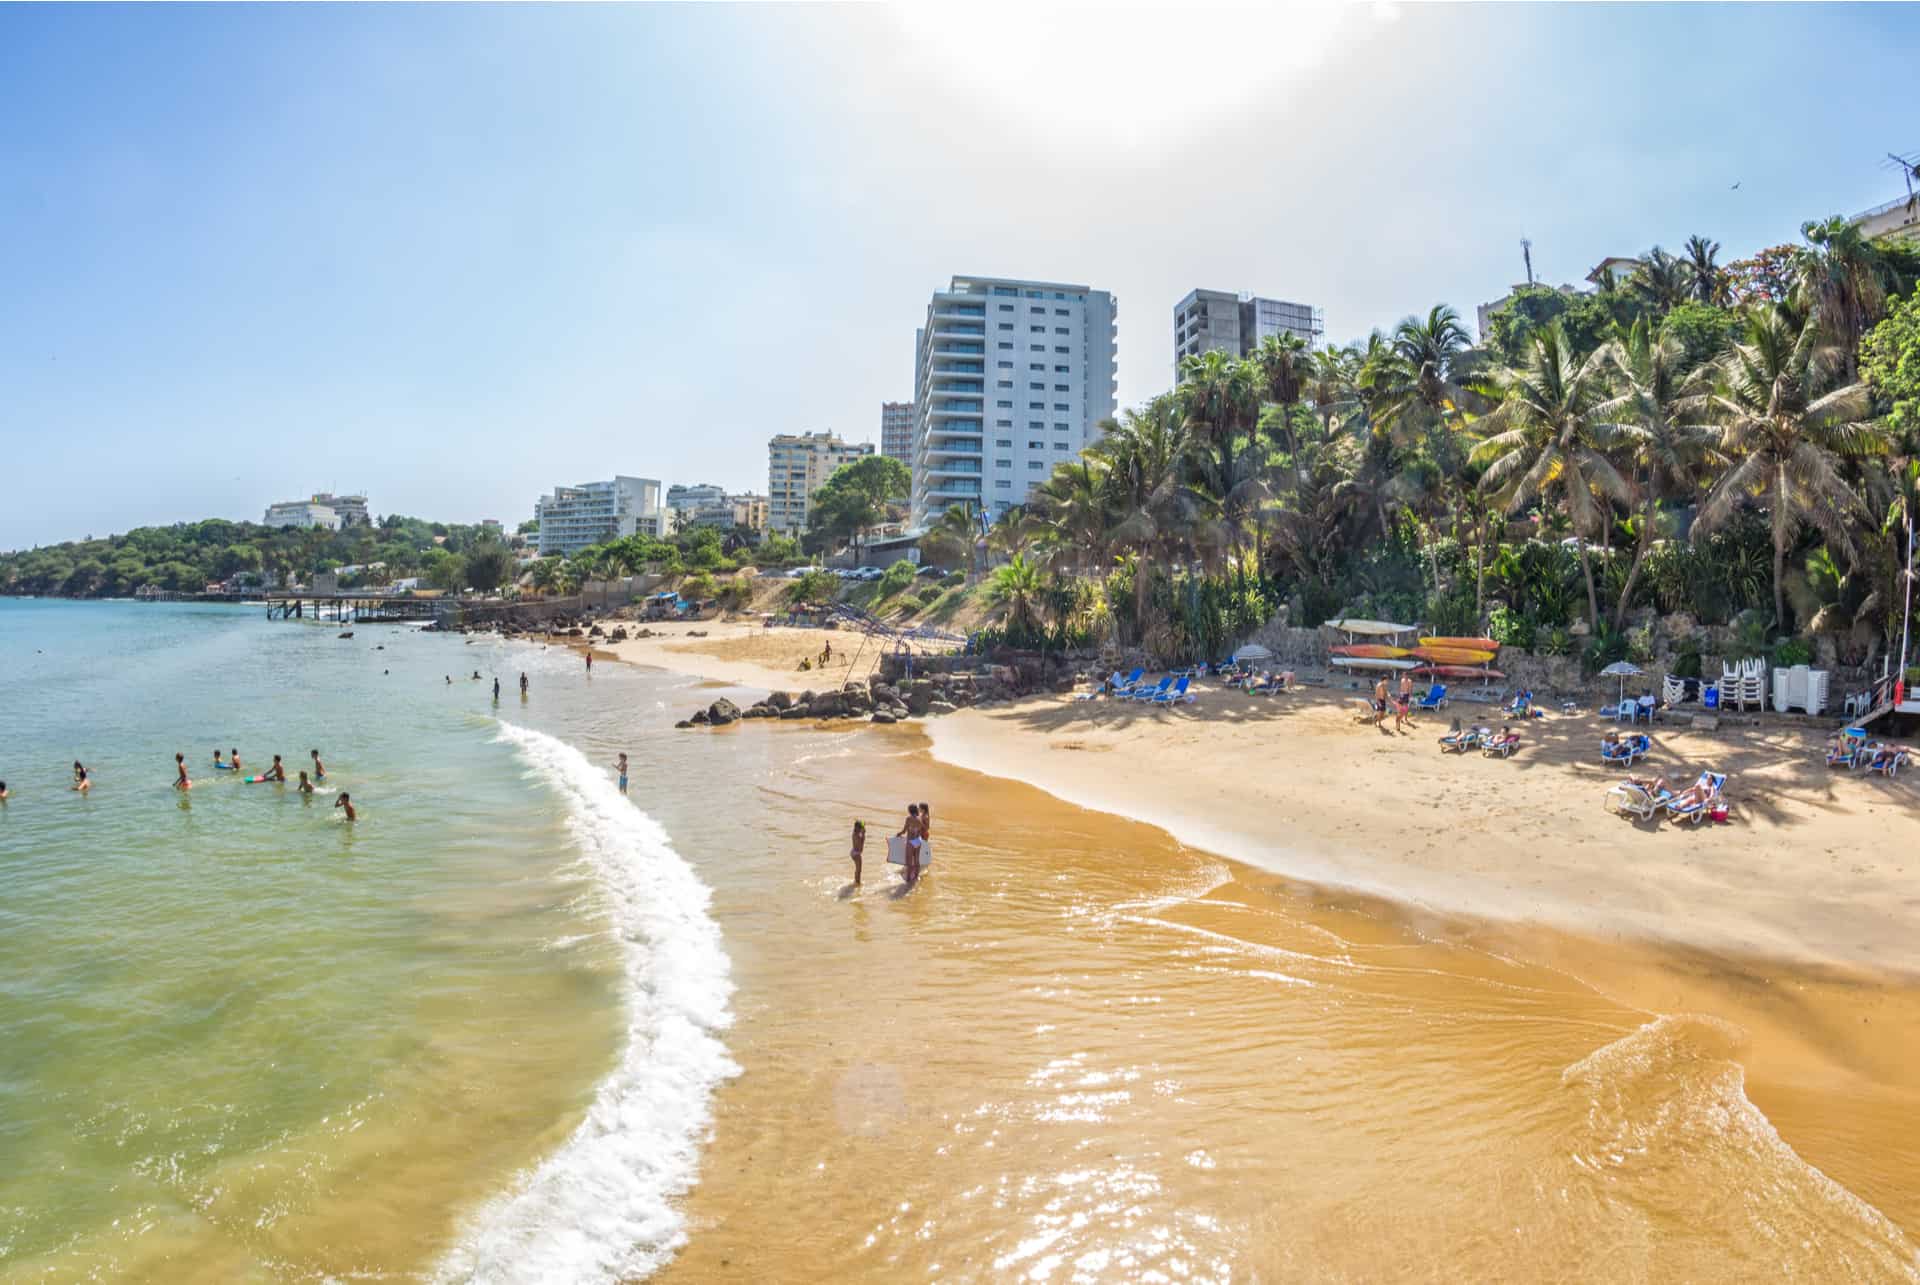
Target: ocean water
513, 1025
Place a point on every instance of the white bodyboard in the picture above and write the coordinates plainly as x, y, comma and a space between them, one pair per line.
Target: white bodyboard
897, 852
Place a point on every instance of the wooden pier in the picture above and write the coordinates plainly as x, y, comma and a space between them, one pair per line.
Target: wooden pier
357, 608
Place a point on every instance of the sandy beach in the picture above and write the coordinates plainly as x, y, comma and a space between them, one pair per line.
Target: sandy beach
1815, 864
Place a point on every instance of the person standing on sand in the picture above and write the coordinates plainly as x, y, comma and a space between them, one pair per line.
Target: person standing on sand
1380, 702
346, 801
859, 843
621, 767
1403, 704
180, 764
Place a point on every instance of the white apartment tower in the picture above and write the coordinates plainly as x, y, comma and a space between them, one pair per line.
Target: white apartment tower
896, 431
1210, 320
797, 463
1010, 378
573, 517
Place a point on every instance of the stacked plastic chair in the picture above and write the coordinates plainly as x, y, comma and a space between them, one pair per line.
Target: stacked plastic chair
1744, 684
1673, 690
1800, 687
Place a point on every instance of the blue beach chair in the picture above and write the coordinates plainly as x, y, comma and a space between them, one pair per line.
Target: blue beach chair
1149, 693
1176, 694
1435, 697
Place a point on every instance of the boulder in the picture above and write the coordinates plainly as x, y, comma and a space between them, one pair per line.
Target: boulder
722, 712
684, 723
827, 705
793, 711
919, 695
941, 707
780, 701
881, 716
700, 718
886, 692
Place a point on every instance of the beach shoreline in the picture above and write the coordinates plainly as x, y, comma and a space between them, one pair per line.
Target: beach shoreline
1812, 868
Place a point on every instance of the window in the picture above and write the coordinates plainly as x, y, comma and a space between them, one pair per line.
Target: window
1061, 428
1007, 365
1061, 406
1035, 425
1059, 446
1006, 307
1036, 388
1037, 308
1036, 294
1006, 443
1061, 312
1036, 365
1038, 330
1061, 330
1059, 388
1003, 423
1003, 485
1006, 290
1036, 464
1003, 463
1004, 405
1006, 325
1062, 348
1037, 406
1058, 370
1036, 446
1039, 348
1004, 383
1008, 345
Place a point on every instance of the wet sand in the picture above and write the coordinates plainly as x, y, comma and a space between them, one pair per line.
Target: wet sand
1082, 1049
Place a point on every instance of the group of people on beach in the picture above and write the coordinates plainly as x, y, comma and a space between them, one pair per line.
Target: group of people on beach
1401, 700
183, 781
918, 833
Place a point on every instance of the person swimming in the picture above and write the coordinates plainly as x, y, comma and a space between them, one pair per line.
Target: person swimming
276, 772
305, 786
476, 676
3, 791
81, 782
346, 801
319, 768
181, 782
621, 767
220, 764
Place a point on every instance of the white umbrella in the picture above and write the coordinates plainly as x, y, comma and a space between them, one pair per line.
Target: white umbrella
1622, 670
1252, 651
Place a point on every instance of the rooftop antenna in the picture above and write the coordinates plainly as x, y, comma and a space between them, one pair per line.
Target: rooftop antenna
1526, 252
1909, 167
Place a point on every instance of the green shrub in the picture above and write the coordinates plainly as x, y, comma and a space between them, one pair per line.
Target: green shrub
1605, 646
897, 577
700, 584
930, 595
1687, 663
1509, 628
736, 593
1791, 652
953, 579
1452, 615
1555, 642
1640, 645
815, 586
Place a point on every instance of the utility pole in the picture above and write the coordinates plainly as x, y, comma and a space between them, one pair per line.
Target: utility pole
1526, 252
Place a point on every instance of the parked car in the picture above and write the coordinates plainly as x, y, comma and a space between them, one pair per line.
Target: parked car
929, 571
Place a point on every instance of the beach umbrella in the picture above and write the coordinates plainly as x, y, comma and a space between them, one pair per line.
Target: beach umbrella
1622, 670
1252, 651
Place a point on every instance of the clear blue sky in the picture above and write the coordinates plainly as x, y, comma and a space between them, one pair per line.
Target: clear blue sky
452, 256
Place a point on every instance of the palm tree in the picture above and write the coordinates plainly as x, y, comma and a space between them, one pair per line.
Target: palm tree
1841, 281
1154, 510
1790, 442
1217, 397
1662, 282
1414, 374
1017, 586
1656, 419
952, 536
1549, 443
1709, 279
1280, 365
1332, 385
1069, 514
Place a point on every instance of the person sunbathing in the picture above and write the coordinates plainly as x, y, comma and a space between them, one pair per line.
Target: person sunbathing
1654, 785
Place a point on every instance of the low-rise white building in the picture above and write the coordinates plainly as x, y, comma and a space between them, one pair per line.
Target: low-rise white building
573, 517
302, 513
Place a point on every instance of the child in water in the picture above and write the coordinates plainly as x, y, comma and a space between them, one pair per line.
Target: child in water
220, 764
345, 801
3, 791
305, 786
319, 768
859, 846
621, 768
181, 782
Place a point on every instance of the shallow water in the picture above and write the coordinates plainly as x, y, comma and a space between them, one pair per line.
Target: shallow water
512, 1026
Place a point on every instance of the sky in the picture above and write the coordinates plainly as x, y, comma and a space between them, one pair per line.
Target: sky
453, 256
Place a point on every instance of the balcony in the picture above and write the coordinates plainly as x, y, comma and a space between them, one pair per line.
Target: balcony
944, 466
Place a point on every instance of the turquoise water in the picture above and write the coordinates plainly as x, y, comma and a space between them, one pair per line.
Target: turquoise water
240, 1037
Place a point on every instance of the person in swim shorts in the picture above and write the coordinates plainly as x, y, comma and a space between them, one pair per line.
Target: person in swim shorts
319, 768
1380, 702
620, 766
220, 764
181, 782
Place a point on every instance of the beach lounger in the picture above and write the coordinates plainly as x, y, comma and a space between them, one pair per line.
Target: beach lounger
1695, 804
1177, 694
1465, 739
1129, 683
1504, 746
1625, 750
1887, 761
1149, 693
1842, 753
1630, 798
1435, 697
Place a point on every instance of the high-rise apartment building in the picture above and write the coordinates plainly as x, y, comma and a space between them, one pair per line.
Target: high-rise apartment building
896, 431
797, 463
1010, 378
573, 517
1215, 320
321, 510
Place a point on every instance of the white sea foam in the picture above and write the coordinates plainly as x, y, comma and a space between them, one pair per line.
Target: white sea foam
601, 1207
